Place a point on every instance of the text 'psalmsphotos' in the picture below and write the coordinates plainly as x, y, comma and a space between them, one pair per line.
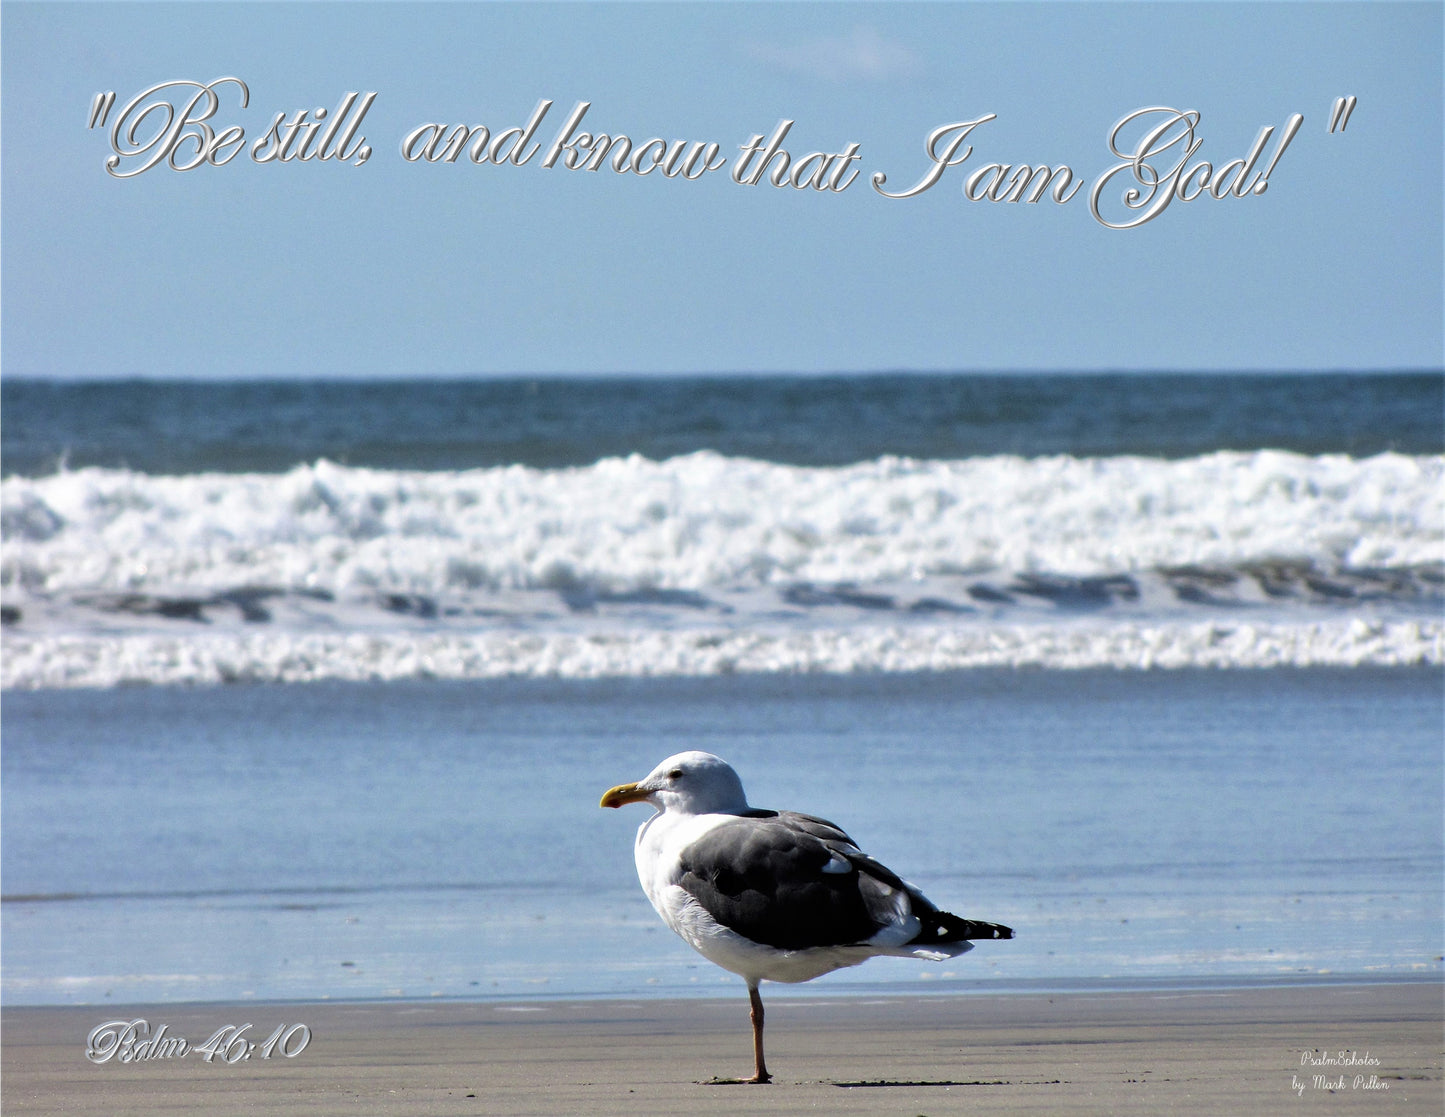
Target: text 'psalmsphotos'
1155, 152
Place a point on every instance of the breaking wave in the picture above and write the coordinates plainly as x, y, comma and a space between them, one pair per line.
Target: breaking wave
115, 575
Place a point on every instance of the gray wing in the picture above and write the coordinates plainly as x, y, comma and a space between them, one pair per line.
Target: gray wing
764, 877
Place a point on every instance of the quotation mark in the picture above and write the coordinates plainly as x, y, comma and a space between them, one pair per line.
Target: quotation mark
1340, 115
100, 107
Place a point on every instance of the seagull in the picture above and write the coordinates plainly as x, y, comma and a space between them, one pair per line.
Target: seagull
774, 895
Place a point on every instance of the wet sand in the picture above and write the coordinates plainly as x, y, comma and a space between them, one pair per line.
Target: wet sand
1245, 1051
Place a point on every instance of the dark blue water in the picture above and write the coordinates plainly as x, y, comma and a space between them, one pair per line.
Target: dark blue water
268, 426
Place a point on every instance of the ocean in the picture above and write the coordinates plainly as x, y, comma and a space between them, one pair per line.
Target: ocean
187, 533
310, 688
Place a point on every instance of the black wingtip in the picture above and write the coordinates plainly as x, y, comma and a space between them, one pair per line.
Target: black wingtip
978, 930
947, 927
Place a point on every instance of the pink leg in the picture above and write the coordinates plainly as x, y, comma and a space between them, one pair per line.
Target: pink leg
761, 1074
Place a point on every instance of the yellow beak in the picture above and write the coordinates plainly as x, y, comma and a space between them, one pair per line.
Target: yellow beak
623, 794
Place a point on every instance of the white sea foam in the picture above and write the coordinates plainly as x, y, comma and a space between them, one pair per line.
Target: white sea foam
290, 658
704, 521
704, 563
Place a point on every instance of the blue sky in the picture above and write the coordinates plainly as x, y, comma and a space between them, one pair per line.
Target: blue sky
398, 268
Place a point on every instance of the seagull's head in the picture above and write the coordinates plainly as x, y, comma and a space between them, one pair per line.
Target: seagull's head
688, 783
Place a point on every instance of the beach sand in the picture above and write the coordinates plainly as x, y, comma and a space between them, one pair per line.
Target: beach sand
1223, 1051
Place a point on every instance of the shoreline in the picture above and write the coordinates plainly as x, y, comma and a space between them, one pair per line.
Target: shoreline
1353, 1046
727, 990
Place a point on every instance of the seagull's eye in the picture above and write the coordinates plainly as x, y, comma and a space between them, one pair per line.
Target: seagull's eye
675, 774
